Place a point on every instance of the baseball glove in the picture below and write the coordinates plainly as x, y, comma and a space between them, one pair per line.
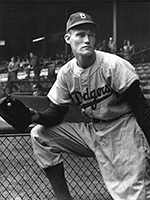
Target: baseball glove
15, 113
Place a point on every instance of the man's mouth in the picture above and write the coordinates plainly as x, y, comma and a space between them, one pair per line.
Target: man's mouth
86, 47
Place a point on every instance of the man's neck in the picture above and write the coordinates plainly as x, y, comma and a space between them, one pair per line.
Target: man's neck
86, 61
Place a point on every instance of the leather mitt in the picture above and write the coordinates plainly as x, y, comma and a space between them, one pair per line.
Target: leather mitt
15, 113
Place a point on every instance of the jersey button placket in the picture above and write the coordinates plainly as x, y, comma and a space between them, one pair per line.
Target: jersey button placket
84, 85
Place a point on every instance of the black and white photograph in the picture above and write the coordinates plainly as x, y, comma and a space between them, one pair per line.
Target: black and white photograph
74, 100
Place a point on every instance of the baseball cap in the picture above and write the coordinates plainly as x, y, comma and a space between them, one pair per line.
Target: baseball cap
79, 18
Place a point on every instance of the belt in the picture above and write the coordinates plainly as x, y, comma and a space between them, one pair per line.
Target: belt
95, 120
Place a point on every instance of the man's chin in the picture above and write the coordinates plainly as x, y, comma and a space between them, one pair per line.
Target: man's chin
87, 53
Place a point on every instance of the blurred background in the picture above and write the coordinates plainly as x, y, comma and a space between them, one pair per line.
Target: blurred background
39, 27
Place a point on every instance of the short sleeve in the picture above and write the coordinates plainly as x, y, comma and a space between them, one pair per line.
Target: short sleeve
119, 74
59, 93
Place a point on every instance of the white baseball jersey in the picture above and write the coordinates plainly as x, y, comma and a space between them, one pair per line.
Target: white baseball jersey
96, 89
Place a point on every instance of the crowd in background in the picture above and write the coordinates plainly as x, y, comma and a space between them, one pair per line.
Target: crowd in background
126, 51
31, 64
133, 52
38, 71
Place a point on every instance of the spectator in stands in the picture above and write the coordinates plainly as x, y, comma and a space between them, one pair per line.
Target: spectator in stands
38, 90
128, 50
112, 45
35, 65
13, 67
103, 46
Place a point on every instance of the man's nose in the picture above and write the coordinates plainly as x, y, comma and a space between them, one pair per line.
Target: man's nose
86, 38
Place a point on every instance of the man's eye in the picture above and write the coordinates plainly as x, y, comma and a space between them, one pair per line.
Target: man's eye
92, 34
81, 34
84, 34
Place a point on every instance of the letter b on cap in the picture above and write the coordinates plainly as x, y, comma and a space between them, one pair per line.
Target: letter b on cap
83, 16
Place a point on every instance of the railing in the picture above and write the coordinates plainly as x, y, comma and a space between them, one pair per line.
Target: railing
22, 179
23, 86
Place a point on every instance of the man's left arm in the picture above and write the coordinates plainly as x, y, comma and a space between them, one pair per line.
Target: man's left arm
135, 98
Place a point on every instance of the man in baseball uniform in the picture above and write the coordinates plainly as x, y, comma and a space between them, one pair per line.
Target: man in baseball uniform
106, 88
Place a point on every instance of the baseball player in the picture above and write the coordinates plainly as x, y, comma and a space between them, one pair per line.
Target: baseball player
106, 88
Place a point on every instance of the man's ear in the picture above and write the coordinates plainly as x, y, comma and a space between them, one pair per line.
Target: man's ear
67, 38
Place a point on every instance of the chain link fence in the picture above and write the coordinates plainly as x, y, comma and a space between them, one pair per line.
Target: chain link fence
22, 179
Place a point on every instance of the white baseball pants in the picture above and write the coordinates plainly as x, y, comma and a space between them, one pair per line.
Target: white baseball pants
120, 148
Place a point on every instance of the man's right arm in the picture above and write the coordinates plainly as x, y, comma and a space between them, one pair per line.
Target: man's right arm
52, 116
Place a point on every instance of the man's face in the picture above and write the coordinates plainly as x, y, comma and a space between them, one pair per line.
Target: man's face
31, 55
82, 40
